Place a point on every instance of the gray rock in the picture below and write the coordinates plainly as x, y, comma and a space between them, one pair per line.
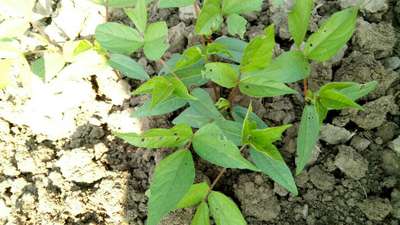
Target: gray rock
387, 131
77, 165
375, 209
334, 135
177, 39
392, 63
395, 145
375, 112
351, 163
376, 38
187, 13
360, 143
321, 179
363, 68
257, 200
391, 163
369, 7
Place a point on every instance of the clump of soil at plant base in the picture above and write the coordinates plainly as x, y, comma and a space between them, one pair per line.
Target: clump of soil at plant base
89, 177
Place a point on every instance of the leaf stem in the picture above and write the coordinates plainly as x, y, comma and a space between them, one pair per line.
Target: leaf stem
305, 87
232, 95
106, 5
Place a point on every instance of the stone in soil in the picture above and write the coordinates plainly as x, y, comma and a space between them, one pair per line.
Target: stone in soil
392, 63
395, 145
177, 39
391, 162
351, 163
257, 199
374, 114
360, 143
376, 208
322, 180
376, 38
334, 135
77, 165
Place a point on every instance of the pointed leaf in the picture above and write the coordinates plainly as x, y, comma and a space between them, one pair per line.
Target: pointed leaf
189, 57
194, 196
211, 144
159, 137
210, 18
299, 18
192, 118
234, 46
239, 114
258, 53
201, 217
333, 99
205, 105
359, 90
174, 3
180, 90
224, 210
275, 168
332, 35
307, 136
172, 179
248, 126
258, 86
118, 38
138, 15
169, 105
268, 135
156, 40
236, 25
128, 67
240, 6
223, 74
279, 70
232, 130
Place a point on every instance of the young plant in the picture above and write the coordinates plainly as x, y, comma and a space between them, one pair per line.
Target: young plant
219, 132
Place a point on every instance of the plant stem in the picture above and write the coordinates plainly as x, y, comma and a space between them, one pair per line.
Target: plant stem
232, 95
106, 5
305, 87
219, 176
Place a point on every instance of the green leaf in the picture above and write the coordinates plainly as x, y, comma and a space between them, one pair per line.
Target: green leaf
156, 40
201, 217
169, 105
279, 70
223, 74
232, 130
333, 99
258, 53
194, 196
307, 136
192, 118
234, 46
215, 48
258, 86
174, 3
205, 105
240, 6
118, 38
38, 68
82, 46
267, 136
224, 210
179, 88
332, 35
248, 126
212, 145
236, 25
172, 179
210, 18
159, 137
275, 168
322, 111
239, 114
299, 18
128, 67
189, 57
359, 90
138, 15
160, 87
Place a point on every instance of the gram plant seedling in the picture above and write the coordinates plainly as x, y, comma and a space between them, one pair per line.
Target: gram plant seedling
219, 132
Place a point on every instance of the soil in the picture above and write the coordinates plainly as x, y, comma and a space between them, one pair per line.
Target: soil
59, 163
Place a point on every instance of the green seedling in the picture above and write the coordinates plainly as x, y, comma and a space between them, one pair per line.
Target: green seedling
219, 132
